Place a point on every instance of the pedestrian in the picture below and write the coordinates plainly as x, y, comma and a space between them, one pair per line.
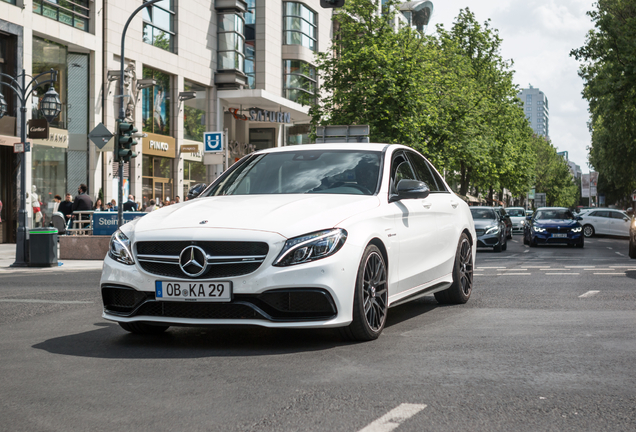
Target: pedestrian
130, 205
177, 199
82, 202
98, 205
66, 208
107, 207
0, 211
151, 206
56, 206
113, 205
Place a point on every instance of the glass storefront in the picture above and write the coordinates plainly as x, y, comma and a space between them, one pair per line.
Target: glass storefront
157, 178
193, 173
49, 176
156, 103
49, 55
194, 113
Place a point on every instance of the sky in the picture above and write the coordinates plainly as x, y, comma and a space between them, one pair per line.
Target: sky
538, 37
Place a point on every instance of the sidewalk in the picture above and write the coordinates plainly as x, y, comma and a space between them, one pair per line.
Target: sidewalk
7, 257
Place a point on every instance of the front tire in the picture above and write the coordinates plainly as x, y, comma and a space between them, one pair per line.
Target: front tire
632, 249
459, 292
143, 328
371, 298
588, 231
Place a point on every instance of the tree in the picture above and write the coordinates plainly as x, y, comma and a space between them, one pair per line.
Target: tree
552, 175
608, 61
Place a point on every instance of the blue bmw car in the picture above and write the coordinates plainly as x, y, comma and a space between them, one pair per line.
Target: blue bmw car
550, 225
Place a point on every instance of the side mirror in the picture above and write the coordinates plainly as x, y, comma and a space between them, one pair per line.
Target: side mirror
529, 218
196, 190
578, 218
410, 189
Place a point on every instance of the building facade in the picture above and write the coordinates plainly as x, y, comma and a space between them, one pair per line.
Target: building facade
245, 67
535, 104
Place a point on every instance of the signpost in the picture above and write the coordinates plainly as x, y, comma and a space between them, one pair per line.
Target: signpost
340, 134
213, 142
100, 135
539, 200
18, 148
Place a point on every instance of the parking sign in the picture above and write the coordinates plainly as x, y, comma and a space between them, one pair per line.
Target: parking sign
213, 142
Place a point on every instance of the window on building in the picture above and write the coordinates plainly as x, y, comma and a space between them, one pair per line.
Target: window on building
156, 103
159, 25
299, 26
194, 112
231, 36
250, 43
9, 1
528, 108
299, 81
49, 55
71, 12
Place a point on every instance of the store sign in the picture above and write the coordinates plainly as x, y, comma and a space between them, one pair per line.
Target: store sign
159, 145
38, 128
105, 223
56, 138
189, 148
270, 116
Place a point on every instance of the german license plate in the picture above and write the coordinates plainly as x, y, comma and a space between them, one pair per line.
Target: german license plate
189, 291
559, 235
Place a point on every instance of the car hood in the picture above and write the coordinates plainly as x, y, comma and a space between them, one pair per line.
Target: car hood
287, 214
483, 223
556, 222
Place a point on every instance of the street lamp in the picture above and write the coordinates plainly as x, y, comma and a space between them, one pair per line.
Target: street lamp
51, 108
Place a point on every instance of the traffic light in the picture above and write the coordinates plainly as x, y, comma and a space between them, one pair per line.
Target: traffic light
330, 4
125, 141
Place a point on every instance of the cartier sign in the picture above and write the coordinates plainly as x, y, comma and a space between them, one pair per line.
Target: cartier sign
38, 128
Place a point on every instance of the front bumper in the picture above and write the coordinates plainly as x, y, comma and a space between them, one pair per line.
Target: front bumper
547, 238
488, 240
314, 294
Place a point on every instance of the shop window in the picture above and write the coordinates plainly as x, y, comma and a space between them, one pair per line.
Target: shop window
193, 173
70, 12
49, 55
298, 134
250, 44
299, 81
231, 42
159, 25
156, 103
194, 113
299, 26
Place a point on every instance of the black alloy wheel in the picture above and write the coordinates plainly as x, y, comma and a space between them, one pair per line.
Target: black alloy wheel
462, 286
371, 297
632, 248
588, 231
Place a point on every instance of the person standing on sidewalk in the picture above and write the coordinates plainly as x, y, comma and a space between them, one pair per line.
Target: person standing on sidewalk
82, 202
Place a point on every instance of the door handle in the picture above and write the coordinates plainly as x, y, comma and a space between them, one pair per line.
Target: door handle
454, 204
427, 205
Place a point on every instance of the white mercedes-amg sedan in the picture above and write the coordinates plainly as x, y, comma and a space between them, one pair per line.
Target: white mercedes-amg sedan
325, 235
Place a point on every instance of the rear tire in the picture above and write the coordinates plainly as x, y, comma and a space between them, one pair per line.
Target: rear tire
505, 246
632, 249
370, 298
143, 328
581, 244
525, 240
459, 292
588, 231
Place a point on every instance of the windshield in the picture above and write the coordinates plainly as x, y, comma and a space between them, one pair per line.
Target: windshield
516, 212
301, 172
554, 214
482, 213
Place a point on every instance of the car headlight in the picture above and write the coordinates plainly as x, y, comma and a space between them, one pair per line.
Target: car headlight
311, 247
538, 229
119, 249
577, 230
492, 230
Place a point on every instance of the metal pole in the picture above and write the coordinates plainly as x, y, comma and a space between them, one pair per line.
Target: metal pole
122, 111
21, 256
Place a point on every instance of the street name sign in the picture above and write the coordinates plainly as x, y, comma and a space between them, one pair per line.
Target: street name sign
213, 142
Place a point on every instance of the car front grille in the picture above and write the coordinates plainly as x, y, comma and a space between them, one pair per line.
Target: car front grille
289, 304
561, 230
480, 232
225, 258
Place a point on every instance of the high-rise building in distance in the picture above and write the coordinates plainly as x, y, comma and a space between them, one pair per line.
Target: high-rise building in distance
535, 105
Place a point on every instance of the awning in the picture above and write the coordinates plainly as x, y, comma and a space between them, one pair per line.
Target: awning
258, 98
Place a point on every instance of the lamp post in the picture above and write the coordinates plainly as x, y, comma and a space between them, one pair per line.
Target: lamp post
122, 111
51, 108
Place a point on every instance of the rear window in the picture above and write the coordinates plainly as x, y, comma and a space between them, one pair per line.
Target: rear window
554, 214
481, 213
516, 212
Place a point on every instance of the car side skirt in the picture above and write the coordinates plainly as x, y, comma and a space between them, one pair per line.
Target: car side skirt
432, 287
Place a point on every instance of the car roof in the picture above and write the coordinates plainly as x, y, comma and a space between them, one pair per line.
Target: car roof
483, 207
553, 208
333, 146
515, 208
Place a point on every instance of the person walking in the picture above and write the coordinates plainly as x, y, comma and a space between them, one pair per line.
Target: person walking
130, 205
66, 208
151, 206
56, 206
82, 202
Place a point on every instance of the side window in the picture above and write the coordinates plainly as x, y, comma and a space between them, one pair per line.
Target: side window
604, 214
400, 169
422, 171
617, 215
594, 214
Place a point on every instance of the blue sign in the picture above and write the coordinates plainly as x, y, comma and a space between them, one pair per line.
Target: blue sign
213, 141
105, 223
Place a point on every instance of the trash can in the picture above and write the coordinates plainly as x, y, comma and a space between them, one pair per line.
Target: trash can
43, 247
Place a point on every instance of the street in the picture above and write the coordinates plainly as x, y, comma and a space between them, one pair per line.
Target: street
546, 342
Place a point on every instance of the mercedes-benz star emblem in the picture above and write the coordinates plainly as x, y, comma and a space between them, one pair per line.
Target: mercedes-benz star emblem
193, 261
203, 222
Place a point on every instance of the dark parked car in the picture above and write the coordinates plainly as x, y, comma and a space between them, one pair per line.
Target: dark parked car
490, 228
551, 225
632, 239
506, 219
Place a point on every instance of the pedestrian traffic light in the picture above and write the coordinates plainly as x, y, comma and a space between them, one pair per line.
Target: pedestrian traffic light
330, 4
125, 141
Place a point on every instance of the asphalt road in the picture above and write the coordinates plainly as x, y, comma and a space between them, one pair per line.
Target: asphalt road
546, 343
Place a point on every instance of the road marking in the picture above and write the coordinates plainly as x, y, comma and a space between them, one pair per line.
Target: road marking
589, 294
526, 251
579, 267
44, 301
609, 247
599, 269
561, 273
534, 267
393, 418
548, 269
618, 253
622, 274
491, 267
515, 241
514, 274
478, 274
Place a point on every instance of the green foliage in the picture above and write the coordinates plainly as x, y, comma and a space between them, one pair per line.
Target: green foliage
553, 175
607, 68
193, 123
